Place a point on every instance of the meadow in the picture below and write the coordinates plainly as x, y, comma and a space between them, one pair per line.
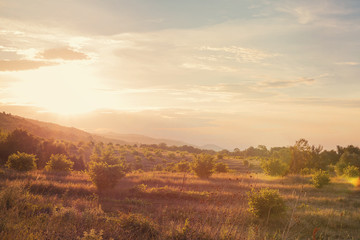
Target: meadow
171, 205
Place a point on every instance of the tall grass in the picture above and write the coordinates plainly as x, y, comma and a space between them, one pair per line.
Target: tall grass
162, 205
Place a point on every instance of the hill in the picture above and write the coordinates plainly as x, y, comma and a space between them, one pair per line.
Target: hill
9, 122
138, 138
211, 147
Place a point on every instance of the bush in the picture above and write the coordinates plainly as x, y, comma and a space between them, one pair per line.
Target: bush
351, 172
203, 165
339, 168
183, 166
92, 235
59, 163
305, 171
158, 167
221, 167
266, 203
21, 161
274, 167
320, 178
347, 159
137, 226
105, 176
246, 163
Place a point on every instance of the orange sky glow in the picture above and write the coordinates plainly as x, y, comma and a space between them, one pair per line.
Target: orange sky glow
234, 74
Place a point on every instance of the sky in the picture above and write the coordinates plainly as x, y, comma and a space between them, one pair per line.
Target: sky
230, 73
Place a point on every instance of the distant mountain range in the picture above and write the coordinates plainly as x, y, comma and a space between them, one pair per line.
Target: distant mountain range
9, 122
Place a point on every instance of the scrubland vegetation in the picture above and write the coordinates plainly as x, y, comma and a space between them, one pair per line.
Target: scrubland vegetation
51, 189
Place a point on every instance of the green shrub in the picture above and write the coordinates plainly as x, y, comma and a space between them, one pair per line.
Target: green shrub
265, 203
158, 167
274, 167
351, 172
59, 163
246, 163
105, 176
320, 178
92, 235
21, 161
203, 165
182, 166
339, 168
221, 167
305, 171
137, 226
347, 159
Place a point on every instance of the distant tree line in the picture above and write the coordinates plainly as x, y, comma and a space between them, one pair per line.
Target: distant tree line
185, 148
22, 141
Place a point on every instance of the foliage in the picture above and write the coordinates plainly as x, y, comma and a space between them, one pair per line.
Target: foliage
92, 235
158, 167
21, 161
187, 232
265, 202
183, 166
105, 155
305, 171
105, 176
300, 155
274, 167
137, 226
347, 159
59, 163
221, 167
320, 178
246, 163
203, 165
351, 172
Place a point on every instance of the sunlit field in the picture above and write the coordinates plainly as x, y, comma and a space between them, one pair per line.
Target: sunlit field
164, 205
179, 120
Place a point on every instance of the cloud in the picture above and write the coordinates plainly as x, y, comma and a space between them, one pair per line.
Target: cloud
240, 54
63, 53
21, 65
348, 63
313, 11
326, 102
286, 83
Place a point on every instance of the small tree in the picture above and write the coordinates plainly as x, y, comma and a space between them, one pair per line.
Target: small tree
320, 178
203, 165
221, 167
59, 163
351, 172
105, 176
274, 167
21, 161
265, 202
182, 166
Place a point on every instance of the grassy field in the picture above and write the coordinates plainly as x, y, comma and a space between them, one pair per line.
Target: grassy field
163, 205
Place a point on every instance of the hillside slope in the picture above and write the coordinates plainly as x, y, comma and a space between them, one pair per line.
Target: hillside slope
9, 122
138, 138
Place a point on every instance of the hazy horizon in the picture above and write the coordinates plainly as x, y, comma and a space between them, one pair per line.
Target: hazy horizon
230, 73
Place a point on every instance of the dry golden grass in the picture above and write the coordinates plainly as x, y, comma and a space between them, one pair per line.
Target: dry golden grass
39, 205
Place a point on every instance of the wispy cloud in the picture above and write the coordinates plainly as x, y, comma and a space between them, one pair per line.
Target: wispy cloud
310, 11
64, 53
348, 63
21, 65
239, 54
325, 102
286, 83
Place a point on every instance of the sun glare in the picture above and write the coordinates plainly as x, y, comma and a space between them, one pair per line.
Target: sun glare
64, 90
